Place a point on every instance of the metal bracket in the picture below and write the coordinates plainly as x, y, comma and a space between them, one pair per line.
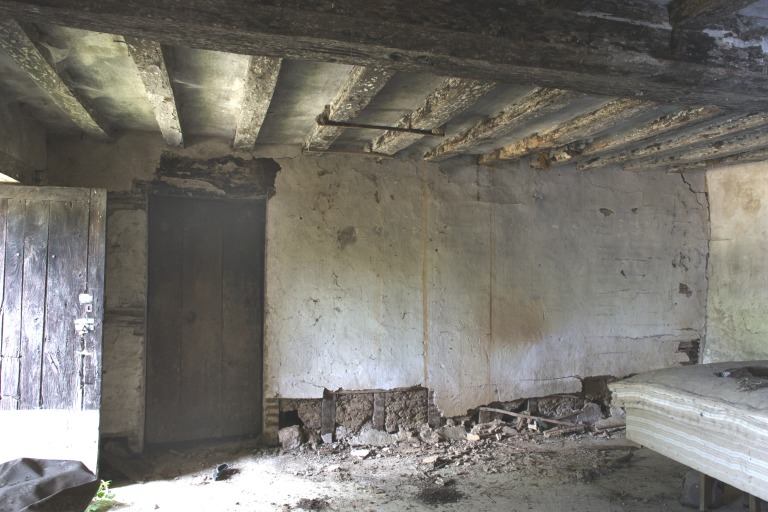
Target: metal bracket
84, 325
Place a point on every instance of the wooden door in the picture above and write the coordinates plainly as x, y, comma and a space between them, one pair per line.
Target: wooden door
52, 273
205, 317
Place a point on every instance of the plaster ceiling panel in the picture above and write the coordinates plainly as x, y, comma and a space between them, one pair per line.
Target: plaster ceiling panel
302, 91
99, 67
209, 90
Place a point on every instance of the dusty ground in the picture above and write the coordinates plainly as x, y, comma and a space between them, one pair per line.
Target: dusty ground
520, 473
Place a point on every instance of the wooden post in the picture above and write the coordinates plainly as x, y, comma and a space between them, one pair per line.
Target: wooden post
705, 492
328, 417
754, 503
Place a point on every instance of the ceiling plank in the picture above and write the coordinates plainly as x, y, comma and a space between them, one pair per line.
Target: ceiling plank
715, 130
552, 43
584, 126
702, 13
739, 143
360, 88
259, 87
584, 148
448, 100
538, 103
149, 60
757, 155
20, 42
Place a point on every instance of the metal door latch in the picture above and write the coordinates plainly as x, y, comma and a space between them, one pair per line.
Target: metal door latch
84, 325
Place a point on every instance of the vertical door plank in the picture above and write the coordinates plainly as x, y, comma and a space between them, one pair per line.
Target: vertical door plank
33, 302
201, 320
164, 388
91, 364
13, 256
67, 250
242, 310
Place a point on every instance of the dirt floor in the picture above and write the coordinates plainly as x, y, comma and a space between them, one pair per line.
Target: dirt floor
525, 472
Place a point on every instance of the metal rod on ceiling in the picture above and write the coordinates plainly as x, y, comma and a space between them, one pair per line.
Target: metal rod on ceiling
323, 120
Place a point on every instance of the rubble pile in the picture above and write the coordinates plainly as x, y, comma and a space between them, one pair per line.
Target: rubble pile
548, 417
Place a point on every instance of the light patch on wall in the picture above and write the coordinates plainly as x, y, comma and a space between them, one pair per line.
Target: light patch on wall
4, 178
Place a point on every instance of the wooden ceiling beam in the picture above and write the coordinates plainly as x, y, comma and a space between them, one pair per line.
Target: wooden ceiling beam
20, 41
361, 86
149, 60
715, 130
584, 148
259, 87
703, 13
721, 147
452, 97
756, 155
551, 43
583, 126
538, 103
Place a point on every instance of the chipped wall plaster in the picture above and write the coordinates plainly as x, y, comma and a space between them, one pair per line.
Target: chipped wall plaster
737, 321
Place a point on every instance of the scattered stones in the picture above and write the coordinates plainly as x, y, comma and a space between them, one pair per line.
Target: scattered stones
590, 414
452, 433
360, 453
290, 437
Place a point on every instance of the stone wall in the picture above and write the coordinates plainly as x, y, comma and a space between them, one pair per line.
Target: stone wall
477, 283
737, 309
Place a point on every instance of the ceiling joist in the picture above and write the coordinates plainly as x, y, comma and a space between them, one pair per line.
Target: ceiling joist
757, 155
739, 143
259, 87
539, 103
451, 98
585, 126
603, 38
701, 13
149, 60
715, 130
360, 88
584, 148
20, 42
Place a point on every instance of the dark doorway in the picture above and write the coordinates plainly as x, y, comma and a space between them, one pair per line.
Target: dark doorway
205, 318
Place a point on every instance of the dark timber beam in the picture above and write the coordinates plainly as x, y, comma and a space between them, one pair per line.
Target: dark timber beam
587, 125
585, 148
148, 57
739, 143
360, 88
714, 131
451, 98
701, 13
15, 169
540, 102
20, 42
598, 47
259, 87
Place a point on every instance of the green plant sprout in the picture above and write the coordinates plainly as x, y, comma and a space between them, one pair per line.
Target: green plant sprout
104, 498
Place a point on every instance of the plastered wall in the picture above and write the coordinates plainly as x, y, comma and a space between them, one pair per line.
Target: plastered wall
482, 284
737, 310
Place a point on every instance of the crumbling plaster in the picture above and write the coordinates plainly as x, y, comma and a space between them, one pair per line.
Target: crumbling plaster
480, 283
737, 309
